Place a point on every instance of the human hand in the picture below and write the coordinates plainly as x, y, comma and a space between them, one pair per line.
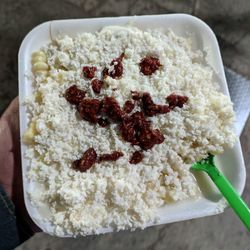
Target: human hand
10, 166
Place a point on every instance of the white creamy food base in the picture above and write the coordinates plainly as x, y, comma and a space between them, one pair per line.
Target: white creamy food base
119, 194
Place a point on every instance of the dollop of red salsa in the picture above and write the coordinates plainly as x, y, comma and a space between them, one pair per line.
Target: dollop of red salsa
118, 68
134, 128
96, 85
89, 158
112, 109
114, 156
89, 72
89, 109
176, 100
137, 130
128, 106
74, 95
150, 108
86, 162
136, 157
149, 65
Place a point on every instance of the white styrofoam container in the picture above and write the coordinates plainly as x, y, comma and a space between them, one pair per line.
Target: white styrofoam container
203, 38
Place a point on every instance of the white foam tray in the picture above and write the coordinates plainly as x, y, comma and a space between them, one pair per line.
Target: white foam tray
203, 38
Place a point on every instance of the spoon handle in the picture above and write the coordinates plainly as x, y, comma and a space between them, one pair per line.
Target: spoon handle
233, 198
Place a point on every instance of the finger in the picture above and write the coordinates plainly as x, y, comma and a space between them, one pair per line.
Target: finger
12, 108
10, 171
10, 119
11, 115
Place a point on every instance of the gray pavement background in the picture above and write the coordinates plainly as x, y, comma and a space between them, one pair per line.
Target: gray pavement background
231, 22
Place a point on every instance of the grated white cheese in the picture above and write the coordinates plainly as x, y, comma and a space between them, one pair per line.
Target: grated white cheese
118, 194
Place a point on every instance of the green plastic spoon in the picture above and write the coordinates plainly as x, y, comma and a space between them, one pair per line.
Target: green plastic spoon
227, 190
